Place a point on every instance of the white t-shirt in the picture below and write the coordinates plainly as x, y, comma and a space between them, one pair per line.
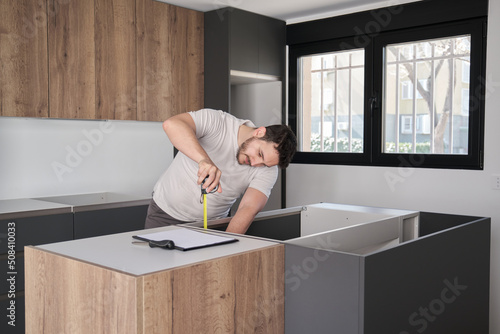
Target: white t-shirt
177, 192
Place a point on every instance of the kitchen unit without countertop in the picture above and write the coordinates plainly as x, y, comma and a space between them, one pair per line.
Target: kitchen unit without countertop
365, 270
346, 269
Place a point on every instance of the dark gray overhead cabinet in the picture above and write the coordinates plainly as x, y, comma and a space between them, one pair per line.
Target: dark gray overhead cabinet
241, 48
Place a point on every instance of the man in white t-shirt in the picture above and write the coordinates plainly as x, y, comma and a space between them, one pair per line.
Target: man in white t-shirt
234, 155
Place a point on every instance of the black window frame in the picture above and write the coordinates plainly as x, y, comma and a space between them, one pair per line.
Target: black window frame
404, 28
295, 54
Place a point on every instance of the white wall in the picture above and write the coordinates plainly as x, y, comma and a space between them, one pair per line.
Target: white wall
45, 157
448, 191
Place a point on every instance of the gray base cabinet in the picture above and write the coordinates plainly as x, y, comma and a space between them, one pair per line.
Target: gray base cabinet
54, 219
109, 221
362, 270
35, 230
437, 283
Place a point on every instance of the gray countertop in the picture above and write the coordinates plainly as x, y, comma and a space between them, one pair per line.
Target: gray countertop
97, 201
29, 207
26, 207
117, 251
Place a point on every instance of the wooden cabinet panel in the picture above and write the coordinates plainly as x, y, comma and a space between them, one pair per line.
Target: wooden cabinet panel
239, 293
101, 59
169, 60
235, 294
23, 58
115, 59
85, 299
71, 59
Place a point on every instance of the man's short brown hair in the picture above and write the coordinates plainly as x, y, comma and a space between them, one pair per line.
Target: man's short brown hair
285, 140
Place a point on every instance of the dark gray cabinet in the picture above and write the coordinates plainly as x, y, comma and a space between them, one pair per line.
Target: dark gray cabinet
104, 213
256, 43
20, 232
25, 222
240, 46
37, 230
109, 221
245, 60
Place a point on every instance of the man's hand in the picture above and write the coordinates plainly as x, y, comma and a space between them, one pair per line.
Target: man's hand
181, 131
207, 169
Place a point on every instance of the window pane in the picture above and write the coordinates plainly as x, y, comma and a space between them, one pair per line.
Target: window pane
425, 110
331, 102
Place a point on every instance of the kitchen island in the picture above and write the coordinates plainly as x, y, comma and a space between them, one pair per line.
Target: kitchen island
110, 284
320, 268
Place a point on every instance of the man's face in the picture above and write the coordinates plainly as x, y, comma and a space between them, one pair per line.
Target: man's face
257, 153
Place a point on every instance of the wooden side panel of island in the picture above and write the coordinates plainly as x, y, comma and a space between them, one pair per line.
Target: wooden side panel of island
241, 293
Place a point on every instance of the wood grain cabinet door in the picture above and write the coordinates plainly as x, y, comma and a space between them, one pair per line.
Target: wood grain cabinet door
101, 59
115, 59
169, 60
71, 59
23, 58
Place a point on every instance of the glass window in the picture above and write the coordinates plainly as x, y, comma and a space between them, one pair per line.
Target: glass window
432, 77
412, 97
331, 107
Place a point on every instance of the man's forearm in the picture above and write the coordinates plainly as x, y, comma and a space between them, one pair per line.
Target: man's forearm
252, 202
241, 221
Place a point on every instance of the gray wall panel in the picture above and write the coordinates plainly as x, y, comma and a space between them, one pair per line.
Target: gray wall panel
321, 291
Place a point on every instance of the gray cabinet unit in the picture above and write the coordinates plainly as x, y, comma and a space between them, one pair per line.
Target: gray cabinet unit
241, 47
438, 282
363, 270
109, 221
257, 43
25, 222
37, 230
104, 213
244, 59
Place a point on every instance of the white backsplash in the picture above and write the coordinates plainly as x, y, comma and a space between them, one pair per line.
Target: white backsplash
49, 157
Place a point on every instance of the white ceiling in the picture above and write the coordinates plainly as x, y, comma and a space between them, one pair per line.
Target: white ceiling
291, 11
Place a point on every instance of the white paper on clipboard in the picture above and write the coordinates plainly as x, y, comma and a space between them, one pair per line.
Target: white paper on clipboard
187, 239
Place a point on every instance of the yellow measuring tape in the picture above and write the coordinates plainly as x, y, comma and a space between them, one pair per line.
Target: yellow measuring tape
205, 211
204, 193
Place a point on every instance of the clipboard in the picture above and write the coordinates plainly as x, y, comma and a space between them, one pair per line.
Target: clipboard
187, 239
